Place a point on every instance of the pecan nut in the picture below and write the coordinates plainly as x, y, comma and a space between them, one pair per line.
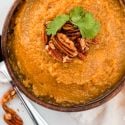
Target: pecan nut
65, 45
61, 48
10, 116
81, 45
54, 52
71, 31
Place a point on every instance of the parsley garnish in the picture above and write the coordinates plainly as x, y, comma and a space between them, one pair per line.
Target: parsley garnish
85, 21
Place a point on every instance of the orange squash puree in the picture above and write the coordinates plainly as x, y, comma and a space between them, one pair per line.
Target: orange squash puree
78, 81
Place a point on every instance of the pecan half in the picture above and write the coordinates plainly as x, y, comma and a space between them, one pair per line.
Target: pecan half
81, 45
69, 27
65, 45
10, 116
55, 53
71, 31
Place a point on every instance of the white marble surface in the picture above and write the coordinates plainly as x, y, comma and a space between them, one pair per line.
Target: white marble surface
111, 113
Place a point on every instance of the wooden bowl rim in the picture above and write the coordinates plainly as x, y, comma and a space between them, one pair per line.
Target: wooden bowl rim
94, 103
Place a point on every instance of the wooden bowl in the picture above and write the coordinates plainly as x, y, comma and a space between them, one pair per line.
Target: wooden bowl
94, 103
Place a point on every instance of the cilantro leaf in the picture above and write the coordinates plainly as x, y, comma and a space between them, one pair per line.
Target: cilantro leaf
56, 24
88, 26
76, 14
86, 22
92, 32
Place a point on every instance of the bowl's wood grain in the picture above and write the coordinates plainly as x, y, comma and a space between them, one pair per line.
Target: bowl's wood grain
94, 103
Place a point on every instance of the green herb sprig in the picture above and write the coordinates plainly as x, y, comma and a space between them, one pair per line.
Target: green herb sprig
56, 24
85, 21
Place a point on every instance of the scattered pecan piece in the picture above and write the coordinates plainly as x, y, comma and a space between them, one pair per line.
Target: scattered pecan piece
10, 116
8, 96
